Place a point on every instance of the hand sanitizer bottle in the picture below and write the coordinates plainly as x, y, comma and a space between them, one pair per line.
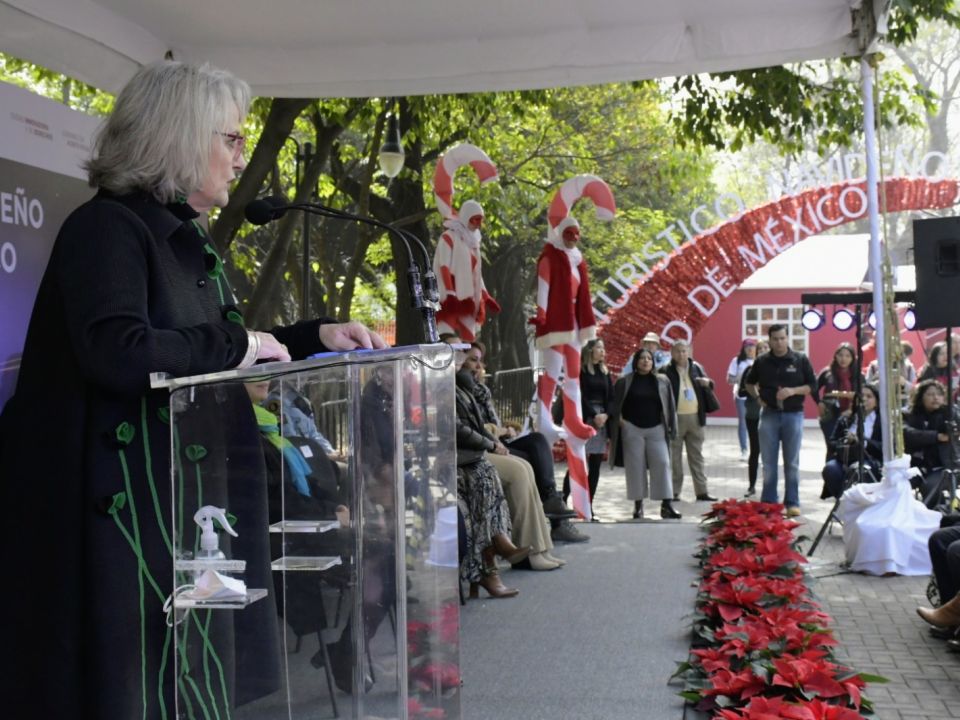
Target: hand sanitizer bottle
209, 542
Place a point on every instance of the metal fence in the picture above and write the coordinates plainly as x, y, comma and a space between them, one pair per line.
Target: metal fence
513, 392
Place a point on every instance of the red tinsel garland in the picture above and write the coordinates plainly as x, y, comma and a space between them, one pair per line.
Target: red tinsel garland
663, 296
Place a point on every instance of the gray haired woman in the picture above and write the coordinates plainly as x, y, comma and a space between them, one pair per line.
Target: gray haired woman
643, 420
133, 286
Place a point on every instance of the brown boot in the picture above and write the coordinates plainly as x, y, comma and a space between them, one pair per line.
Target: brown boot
947, 615
505, 548
491, 579
493, 585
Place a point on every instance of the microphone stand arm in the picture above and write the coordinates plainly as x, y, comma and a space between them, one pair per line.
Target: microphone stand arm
426, 304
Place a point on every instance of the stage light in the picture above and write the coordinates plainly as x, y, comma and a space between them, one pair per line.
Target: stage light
872, 320
812, 319
843, 319
910, 319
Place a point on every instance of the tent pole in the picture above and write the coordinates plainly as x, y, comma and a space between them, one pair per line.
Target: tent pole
876, 250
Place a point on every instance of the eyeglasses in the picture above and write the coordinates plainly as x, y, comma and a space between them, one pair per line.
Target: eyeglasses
235, 141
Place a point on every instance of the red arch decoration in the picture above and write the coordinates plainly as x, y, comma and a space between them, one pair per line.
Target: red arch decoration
734, 250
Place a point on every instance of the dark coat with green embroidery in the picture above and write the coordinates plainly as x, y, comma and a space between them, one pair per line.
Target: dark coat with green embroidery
132, 287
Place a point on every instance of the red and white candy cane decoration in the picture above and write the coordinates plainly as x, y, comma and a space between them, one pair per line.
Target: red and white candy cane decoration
564, 322
455, 158
464, 299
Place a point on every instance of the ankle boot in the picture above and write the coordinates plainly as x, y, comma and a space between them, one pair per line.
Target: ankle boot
540, 561
947, 615
553, 558
505, 548
667, 512
494, 587
491, 579
638, 509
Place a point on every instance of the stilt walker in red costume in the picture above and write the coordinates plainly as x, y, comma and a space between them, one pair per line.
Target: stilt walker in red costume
464, 299
564, 322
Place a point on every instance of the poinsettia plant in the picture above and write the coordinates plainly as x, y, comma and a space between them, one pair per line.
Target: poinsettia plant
762, 646
433, 662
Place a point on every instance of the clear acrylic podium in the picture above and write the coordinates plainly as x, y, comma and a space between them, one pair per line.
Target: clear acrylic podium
350, 564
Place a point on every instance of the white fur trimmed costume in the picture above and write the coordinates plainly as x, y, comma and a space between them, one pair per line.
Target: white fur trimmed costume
464, 300
564, 322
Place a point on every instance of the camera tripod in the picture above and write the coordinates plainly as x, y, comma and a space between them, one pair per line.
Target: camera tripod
855, 474
859, 472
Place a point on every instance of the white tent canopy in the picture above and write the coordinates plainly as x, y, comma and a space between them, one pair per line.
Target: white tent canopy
354, 48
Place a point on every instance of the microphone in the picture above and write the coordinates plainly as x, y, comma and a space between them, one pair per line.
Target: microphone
267, 209
264, 210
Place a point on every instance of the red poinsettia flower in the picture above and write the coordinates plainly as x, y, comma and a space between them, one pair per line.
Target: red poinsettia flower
743, 684
777, 708
447, 674
712, 659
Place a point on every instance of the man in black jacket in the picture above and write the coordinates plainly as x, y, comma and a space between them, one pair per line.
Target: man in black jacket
781, 378
689, 383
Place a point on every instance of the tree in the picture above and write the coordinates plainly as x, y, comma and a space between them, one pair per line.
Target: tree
783, 104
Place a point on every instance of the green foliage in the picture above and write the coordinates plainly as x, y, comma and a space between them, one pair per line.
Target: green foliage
785, 105
49, 84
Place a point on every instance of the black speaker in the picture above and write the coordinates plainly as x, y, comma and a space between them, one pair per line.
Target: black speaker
936, 259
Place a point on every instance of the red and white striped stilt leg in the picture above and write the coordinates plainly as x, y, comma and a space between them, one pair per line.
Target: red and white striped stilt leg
579, 486
546, 385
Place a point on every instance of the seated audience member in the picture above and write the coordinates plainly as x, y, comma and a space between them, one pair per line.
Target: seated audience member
843, 450
482, 502
926, 435
944, 547
299, 419
535, 450
307, 495
531, 447
529, 525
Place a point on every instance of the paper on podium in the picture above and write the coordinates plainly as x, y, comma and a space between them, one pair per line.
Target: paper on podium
211, 585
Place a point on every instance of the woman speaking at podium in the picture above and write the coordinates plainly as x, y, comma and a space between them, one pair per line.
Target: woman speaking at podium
133, 286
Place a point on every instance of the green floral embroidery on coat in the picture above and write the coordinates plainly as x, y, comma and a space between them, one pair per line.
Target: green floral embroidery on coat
195, 453
124, 433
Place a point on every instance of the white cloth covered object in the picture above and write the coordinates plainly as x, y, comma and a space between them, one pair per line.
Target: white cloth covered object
885, 528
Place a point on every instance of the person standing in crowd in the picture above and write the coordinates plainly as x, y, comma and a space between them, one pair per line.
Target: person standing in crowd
643, 420
651, 341
752, 419
688, 380
596, 397
738, 366
835, 385
133, 286
908, 373
936, 367
781, 378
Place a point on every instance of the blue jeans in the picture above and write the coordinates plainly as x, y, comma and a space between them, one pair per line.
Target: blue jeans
778, 427
742, 423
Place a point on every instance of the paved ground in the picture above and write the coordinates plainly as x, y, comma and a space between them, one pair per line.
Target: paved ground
875, 619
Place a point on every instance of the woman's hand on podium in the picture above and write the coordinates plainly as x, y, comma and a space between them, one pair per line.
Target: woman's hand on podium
350, 336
